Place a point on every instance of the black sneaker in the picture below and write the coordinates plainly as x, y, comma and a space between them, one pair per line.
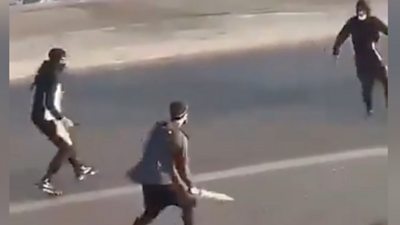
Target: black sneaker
84, 171
47, 187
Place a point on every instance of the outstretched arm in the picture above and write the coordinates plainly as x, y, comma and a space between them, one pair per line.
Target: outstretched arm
341, 38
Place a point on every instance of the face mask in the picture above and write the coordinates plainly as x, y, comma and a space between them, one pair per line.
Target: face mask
185, 121
362, 15
63, 63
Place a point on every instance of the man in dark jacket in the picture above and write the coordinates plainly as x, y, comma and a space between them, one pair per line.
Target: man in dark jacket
47, 116
163, 170
365, 31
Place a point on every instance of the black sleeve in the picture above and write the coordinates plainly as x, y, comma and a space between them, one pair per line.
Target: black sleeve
343, 34
50, 94
33, 84
381, 26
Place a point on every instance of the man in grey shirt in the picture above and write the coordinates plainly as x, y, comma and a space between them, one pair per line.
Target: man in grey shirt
163, 170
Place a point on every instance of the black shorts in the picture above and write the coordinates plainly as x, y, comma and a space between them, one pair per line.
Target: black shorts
159, 196
48, 128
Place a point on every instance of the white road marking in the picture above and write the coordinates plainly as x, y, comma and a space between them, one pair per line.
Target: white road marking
18, 208
258, 14
245, 16
137, 25
107, 28
298, 13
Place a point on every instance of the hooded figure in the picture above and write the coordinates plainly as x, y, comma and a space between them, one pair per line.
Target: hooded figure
47, 116
365, 31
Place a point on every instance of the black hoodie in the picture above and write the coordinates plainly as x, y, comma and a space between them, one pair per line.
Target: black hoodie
364, 33
47, 91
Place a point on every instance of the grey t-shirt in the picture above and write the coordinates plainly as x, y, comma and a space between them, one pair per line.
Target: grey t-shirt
156, 165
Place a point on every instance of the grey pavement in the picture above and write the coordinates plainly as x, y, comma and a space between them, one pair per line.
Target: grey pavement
247, 108
338, 193
96, 14
97, 34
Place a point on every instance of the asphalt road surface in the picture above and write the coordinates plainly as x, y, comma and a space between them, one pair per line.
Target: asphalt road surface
247, 108
100, 14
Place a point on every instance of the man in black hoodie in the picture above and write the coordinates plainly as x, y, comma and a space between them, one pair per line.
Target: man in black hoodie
365, 31
46, 115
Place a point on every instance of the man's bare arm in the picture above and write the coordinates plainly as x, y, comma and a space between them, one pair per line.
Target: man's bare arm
182, 169
179, 153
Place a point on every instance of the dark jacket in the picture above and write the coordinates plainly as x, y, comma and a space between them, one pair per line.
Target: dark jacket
364, 34
47, 91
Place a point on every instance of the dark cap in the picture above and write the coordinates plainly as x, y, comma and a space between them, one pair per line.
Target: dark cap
177, 110
56, 54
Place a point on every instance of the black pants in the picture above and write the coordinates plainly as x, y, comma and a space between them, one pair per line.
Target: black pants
65, 151
371, 69
157, 198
